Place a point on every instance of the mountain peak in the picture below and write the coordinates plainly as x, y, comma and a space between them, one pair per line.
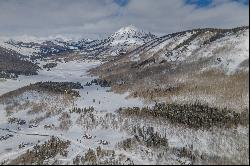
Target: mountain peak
129, 30
131, 34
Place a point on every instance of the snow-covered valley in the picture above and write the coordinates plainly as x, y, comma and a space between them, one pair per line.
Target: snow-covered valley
96, 132
105, 101
124, 82
131, 98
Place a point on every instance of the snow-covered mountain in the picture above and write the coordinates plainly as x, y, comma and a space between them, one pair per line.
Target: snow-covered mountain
37, 49
226, 49
195, 65
130, 35
122, 41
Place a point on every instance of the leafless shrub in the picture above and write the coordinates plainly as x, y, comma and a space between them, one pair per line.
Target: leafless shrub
65, 121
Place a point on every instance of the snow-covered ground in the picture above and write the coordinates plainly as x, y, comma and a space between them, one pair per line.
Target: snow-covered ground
105, 101
103, 127
227, 53
74, 72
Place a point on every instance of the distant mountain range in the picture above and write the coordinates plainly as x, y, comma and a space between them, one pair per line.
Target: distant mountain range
124, 40
224, 48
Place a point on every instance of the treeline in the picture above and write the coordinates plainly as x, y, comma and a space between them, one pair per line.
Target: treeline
49, 65
101, 82
40, 153
12, 65
100, 156
81, 110
194, 115
59, 87
55, 87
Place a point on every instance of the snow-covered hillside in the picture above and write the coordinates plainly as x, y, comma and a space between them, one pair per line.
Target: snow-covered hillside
44, 48
199, 64
44, 127
26, 50
224, 49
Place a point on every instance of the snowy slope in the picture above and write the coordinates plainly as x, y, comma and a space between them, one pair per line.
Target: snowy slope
24, 50
43, 48
224, 49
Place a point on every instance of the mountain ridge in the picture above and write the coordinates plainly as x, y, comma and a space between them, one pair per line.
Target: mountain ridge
126, 38
142, 47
